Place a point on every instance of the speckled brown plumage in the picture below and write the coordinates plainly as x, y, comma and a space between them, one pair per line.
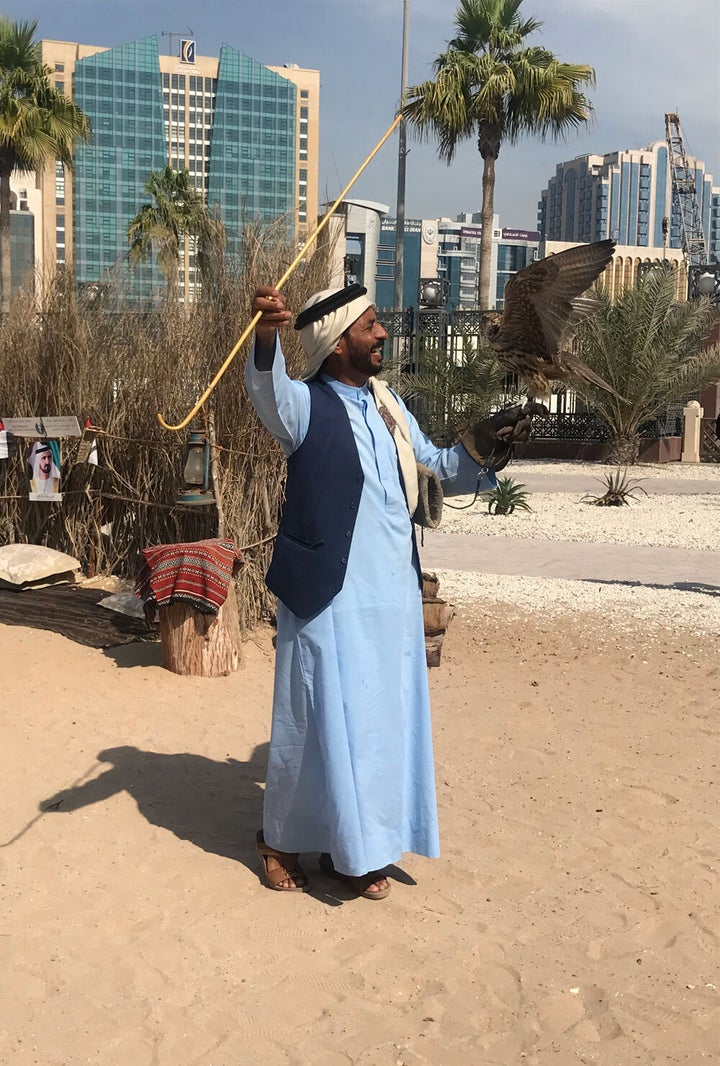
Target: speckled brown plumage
542, 308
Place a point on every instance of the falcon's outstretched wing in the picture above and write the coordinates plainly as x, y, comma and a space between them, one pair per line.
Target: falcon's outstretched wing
541, 301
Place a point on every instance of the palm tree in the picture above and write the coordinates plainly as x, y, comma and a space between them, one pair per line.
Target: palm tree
652, 351
178, 211
38, 124
490, 85
449, 394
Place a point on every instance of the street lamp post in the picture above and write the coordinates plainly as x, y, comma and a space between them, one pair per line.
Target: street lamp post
402, 154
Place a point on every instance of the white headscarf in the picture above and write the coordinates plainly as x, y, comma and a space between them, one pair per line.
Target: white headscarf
320, 337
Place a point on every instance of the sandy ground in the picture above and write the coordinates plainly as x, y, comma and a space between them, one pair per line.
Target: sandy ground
573, 917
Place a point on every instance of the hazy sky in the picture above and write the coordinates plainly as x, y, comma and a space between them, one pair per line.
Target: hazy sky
650, 56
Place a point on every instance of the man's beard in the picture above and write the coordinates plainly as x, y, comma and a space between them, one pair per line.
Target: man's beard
362, 360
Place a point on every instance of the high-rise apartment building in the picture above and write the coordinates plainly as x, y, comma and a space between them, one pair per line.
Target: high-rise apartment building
625, 195
247, 134
459, 259
24, 229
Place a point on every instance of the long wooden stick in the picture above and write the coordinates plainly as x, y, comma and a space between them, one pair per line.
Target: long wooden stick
301, 255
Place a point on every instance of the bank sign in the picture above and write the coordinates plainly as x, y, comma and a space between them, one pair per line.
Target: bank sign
412, 225
187, 51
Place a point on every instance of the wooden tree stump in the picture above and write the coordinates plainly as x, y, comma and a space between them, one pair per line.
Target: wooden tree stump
201, 644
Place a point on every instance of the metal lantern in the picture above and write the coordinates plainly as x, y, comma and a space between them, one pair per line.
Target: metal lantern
197, 489
704, 280
433, 292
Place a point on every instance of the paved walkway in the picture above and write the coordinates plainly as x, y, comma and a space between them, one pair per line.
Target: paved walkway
612, 563
594, 483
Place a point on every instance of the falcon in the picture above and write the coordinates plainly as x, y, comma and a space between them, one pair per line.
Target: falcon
543, 305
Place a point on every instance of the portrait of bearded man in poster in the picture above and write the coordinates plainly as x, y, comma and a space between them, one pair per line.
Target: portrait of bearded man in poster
44, 470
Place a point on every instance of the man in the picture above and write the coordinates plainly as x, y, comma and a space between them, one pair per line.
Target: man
350, 771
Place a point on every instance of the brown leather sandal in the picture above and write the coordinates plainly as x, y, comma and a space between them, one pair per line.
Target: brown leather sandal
360, 884
288, 867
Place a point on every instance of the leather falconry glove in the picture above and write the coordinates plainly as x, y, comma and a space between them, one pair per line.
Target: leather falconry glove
490, 441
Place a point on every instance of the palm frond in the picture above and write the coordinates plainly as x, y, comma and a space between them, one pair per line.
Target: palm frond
38, 124
452, 392
649, 348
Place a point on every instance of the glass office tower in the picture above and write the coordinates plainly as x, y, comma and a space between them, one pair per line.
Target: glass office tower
253, 147
120, 92
246, 133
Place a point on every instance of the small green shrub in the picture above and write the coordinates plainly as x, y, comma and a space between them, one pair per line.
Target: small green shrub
619, 490
507, 496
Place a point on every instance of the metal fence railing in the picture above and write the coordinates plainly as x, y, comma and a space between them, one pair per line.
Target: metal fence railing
578, 426
416, 336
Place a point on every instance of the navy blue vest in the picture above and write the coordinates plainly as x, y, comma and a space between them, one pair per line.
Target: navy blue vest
322, 495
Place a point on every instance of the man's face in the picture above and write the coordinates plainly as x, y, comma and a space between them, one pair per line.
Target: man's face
45, 463
364, 344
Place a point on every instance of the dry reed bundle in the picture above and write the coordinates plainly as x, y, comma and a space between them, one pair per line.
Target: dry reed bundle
98, 359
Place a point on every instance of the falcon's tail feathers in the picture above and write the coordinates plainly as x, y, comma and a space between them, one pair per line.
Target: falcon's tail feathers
581, 370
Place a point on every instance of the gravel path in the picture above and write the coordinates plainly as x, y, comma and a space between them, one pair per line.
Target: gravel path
677, 520
691, 522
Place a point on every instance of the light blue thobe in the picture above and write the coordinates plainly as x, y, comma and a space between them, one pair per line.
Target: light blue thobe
351, 770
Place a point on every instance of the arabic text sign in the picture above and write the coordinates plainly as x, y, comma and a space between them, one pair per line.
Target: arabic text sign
67, 426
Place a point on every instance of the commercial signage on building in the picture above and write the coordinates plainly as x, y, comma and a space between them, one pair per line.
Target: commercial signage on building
187, 51
521, 235
412, 225
471, 231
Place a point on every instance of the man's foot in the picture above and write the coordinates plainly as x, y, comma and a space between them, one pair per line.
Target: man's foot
283, 872
372, 885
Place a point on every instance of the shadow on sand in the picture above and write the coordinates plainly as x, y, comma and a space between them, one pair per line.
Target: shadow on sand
215, 805
680, 586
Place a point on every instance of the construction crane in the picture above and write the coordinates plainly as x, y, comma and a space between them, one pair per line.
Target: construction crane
684, 195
